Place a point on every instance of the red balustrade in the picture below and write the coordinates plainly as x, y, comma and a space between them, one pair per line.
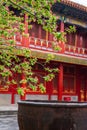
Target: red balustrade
45, 45
76, 51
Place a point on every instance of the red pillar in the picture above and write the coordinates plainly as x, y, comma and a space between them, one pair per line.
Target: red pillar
78, 83
26, 23
60, 86
62, 26
39, 31
12, 98
12, 89
25, 38
49, 89
62, 44
86, 88
24, 87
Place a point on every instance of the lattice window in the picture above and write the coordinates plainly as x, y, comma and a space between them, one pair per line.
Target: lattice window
55, 84
69, 79
69, 82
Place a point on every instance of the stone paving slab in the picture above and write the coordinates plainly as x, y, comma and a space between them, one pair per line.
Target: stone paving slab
8, 122
8, 107
8, 117
11, 109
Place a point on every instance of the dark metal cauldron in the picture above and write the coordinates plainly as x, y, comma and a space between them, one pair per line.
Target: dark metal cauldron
52, 115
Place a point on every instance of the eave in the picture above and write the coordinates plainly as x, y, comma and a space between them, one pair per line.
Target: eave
70, 9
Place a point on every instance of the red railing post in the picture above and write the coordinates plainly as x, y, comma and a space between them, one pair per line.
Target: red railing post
25, 37
62, 44
12, 98
60, 88
24, 87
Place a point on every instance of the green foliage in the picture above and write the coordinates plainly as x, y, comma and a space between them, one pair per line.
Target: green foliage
42, 88
49, 77
13, 82
32, 61
1, 67
50, 70
55, 46
32, 80
33, 87
71, 29
49, 57
21, 91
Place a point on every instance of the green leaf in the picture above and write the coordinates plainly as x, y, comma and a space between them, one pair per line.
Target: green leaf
20, 91
42, 88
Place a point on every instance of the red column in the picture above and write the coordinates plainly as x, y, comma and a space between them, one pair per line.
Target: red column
39, 31
12, 89
60, 86
62, 26
24, 87
81, 41
49, 89
86, 88
62, 45
26, 23
78, 83
12, 98
25, 38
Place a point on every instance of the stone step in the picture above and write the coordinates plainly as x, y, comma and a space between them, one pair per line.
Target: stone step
8, 110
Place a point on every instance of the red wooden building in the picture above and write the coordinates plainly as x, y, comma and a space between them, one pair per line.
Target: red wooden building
71, 82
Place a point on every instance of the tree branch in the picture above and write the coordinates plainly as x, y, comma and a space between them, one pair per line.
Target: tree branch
21, 7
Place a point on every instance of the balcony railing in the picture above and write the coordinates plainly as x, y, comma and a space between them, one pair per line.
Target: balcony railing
41, 44
76, 51
45, 45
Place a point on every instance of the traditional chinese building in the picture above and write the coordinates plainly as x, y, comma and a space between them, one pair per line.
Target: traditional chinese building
71, 82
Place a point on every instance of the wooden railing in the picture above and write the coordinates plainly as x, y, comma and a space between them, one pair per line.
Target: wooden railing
76, 51
35, 43
40, 44
45, 45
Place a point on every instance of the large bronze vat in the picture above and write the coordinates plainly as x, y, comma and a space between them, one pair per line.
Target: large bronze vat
52, 115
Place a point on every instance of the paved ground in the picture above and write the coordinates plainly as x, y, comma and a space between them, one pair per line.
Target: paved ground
8, 107
8, 122
8, 118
